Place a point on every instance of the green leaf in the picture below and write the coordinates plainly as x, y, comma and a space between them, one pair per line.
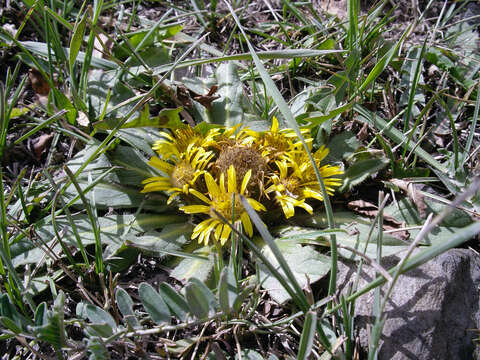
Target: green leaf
41, 49
229, 109
199, 298
121, 187
10, 325
51, 332
382, 63
212, 301
304, 262
17, 112
125, 305
244, 294
101, 323
40, 314
168, 242
201, 268
354, 229
308, 334
105, 86
97, 349
8, 310
112, 229
76, 42
376, 122
227, 290
342, 146
62, 102
175, 302
166, 118
154, 304
52, 328
362, 170
249, 354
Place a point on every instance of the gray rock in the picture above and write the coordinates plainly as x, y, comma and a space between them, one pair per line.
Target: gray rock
431, 312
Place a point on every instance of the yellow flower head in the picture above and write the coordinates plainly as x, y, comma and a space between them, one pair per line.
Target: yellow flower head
244, 159
276, 143
296, 180
177, 143
303, 168
233, 136
288, 190
181, 175
224, 201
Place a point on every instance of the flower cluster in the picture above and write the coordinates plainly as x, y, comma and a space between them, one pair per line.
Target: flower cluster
208, 171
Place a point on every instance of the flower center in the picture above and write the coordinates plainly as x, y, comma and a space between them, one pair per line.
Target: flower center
291, 185
182, 174
276, 144
243, 158
223, 205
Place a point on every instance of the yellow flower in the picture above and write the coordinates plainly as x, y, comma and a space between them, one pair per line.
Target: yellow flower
288, 191
276, 143
303, 169
296, 180
181, 175
174, 145
236, 147
232, 137
222, 200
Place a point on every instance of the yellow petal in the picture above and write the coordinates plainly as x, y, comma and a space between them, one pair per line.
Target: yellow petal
155, 179
321, 153
256, 205
274, 127
232, 180
225, 234
172, 197
218, 231
222, 183
200, 228
288, 209
211, 185
155, 187
328, 170
305, 206
247, 224
199, 195
208, 231
195, 209
163, 166
245, 181
310, 193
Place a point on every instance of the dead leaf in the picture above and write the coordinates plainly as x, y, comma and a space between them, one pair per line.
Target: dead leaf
389, 222
371, 210
397, 233
40, 144
10, 28
363, 133
335, 7
102, 46
39, 84
413, 194
183, 96
206, 100
82, 119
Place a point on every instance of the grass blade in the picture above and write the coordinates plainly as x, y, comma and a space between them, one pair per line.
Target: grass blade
93, 222
397, 136
308, 334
